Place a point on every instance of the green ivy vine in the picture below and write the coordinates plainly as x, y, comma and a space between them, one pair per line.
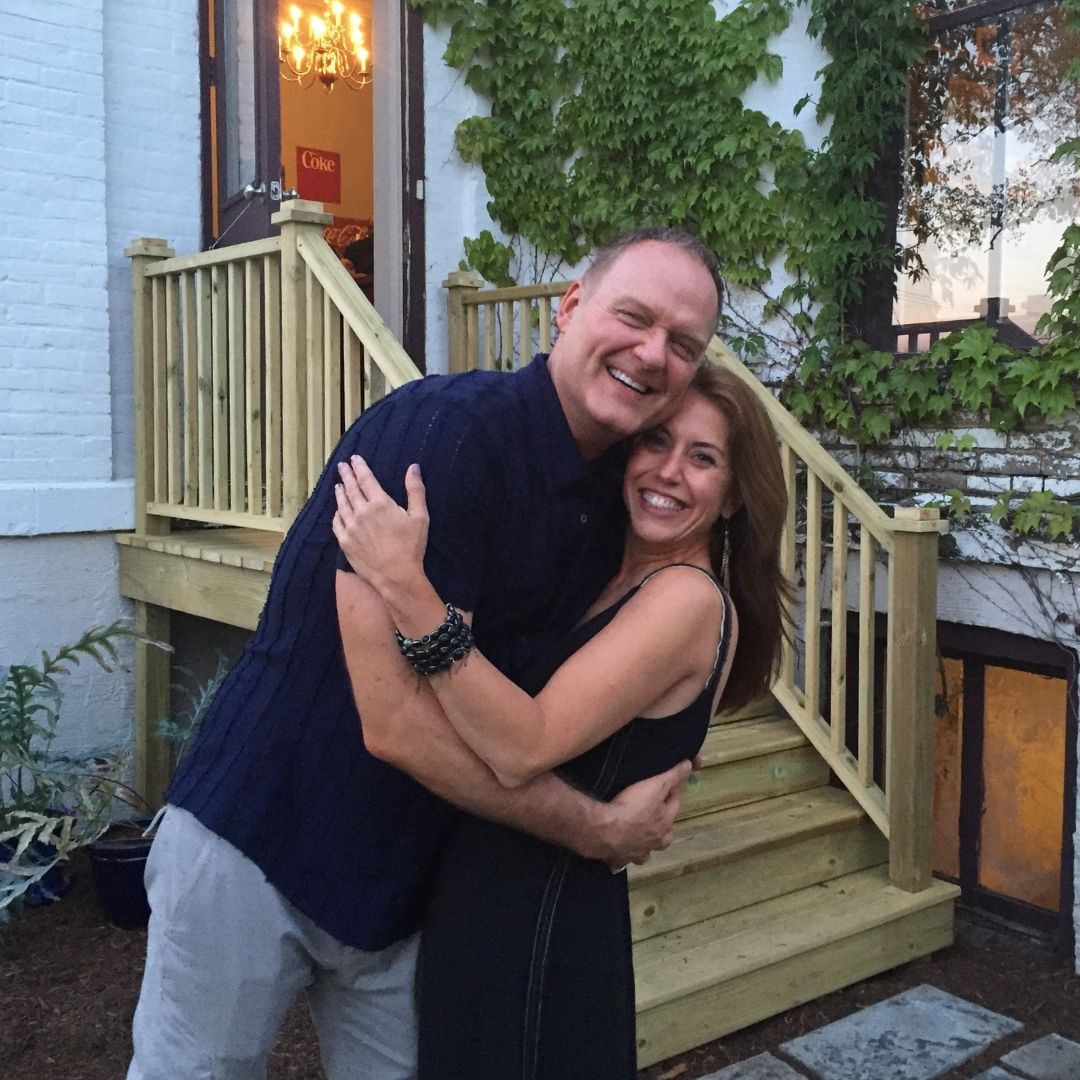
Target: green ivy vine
610, 113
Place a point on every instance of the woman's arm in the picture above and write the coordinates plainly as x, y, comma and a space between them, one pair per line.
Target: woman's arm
404, 725
664, 637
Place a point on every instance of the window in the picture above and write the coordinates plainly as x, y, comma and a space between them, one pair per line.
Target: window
983, 207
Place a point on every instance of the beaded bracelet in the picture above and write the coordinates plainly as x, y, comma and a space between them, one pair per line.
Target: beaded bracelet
445, 645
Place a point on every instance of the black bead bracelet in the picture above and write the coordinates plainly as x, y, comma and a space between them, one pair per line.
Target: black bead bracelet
449, 642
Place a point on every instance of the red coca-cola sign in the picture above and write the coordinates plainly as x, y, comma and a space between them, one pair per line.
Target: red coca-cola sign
318, 174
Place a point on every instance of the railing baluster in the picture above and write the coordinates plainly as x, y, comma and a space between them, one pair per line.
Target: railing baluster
488, 361
315, 456
788, 554
220, 306
161, 405
190, 388
812, 572
506, 350
544, 303
204, 364
237, 405
354, 376
838, 666
472, 331
525, 349
254, 389
332, 379
174, 487
867, 573
272, 345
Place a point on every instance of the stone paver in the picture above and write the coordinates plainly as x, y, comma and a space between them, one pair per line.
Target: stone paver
1050, 1058
996, 1073
917, 1035
759, 1067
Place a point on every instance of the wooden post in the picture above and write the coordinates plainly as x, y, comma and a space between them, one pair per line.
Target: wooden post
296, 217
457, 284
143, 253
909, 699
153, 675
152, 667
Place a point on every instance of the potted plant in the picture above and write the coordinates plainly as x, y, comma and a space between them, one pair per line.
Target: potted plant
118, 856
51, 801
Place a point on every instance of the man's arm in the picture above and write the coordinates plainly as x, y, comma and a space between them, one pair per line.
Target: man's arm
404, 725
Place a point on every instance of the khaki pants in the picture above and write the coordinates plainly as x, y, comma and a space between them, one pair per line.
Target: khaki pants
227, 954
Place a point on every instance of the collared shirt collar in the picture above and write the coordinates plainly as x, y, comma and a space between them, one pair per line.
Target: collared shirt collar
552, 436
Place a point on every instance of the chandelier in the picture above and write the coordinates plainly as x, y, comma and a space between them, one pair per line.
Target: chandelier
332, 50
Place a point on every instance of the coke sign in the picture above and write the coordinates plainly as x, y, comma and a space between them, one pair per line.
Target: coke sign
318, 174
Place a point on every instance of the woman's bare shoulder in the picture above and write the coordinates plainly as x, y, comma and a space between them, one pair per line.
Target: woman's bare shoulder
687, 591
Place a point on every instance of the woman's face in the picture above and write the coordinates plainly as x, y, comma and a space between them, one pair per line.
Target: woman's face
678, 479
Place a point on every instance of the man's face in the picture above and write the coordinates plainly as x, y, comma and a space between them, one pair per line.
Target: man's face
630, 341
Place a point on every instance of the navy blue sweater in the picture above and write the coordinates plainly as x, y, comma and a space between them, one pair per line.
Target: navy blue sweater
524, 533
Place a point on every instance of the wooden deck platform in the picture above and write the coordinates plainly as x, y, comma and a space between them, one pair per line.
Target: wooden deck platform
217, 573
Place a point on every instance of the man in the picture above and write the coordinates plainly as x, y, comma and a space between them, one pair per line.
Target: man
297, 855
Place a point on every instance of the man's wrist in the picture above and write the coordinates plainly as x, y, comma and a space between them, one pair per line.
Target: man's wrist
593, 839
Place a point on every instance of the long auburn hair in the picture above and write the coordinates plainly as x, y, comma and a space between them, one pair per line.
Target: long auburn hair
752, 534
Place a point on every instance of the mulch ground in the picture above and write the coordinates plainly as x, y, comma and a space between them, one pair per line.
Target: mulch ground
69, 980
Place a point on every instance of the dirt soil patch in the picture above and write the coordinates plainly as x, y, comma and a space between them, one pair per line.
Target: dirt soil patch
70, 980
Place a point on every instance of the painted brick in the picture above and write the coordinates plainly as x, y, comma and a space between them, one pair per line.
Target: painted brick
985, 438
1065, 489
896, 459
1010, 464
999, 484
1055, 439
1062, 465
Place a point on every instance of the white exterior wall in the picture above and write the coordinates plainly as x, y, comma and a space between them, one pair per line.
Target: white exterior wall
99, 143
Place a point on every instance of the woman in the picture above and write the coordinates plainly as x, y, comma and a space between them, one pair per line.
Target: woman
526, 968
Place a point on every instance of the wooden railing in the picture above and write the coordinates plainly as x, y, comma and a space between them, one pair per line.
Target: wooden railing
858, 674
250, 363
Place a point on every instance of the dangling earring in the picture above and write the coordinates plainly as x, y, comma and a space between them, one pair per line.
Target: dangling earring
725, 560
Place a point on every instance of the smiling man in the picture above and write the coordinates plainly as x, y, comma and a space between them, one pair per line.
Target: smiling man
301, 842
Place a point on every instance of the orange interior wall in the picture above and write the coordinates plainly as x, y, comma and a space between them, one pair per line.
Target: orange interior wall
339, 120
1024, 777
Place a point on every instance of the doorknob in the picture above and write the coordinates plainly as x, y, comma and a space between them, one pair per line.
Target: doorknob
251, 191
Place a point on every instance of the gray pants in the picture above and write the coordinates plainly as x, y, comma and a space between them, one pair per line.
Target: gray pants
227, 954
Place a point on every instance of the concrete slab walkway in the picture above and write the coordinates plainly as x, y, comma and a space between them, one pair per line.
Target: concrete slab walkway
919, 1034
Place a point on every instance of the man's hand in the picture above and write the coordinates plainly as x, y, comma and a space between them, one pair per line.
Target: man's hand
641, 819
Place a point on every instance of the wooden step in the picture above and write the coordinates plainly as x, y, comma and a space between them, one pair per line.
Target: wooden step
730, 858
766, 705
705, 980
749, 760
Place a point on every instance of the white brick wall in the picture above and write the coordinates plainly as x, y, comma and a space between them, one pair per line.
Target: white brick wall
99, 143
55, 413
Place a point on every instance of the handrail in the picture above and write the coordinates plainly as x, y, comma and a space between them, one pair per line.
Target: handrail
250, 361
837, 540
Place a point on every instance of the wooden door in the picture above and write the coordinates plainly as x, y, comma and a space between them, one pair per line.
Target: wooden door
242, 137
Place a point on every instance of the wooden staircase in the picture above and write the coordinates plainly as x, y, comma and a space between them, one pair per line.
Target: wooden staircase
775, 891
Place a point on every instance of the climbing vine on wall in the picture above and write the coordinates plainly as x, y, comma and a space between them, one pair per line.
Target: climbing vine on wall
608, 113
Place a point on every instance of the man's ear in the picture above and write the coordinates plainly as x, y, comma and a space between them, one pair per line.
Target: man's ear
570, 300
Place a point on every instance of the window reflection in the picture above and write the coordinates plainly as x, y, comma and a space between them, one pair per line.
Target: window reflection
984, 207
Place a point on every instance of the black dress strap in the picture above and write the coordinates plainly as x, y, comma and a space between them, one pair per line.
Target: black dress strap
725, 630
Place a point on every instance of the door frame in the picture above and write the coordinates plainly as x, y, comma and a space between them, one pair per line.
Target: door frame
398, 152
398, 115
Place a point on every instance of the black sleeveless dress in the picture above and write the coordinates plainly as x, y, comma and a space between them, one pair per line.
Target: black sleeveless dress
525, 968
